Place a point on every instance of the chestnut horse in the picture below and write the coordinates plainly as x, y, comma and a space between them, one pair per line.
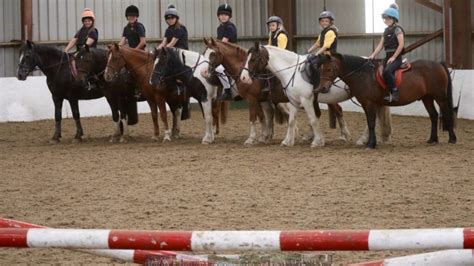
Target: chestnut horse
91, 63
428, 81
233, 58
287, 66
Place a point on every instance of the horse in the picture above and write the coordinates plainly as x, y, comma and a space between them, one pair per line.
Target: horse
233, 58
140, 65
119, 92
173, 65
428, 81
55, 64
287, 67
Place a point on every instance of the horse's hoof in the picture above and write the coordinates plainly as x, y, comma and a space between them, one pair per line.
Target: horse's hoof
206, 142
286, 144
175, 134
452, 141
343, 138
371, 146
166, 139
53, 141
316, 144
76, 140
155, 138
361, 142
249, 142
123, 139
307, 138
263, 139
432, 141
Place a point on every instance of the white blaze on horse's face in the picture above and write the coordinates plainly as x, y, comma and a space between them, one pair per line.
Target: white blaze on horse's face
245, 75
108, 62
20, 62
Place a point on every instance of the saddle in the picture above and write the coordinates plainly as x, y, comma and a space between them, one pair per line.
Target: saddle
398, 74
308, 73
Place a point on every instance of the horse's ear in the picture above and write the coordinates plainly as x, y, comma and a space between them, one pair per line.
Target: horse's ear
213, 42
205, 41
116, 46
256, 45
109, 46
29, 44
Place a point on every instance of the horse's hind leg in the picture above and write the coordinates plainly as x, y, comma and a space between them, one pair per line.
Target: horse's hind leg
385, 123
447, 119
336, 110
208, 117
154, 118
371, 115
58, 106
116, 119
253, 105
77, 118
267, 124
430, 107
290, 134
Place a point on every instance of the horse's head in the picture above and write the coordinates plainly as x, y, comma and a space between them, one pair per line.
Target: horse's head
167, 63
85, 62
328, 67
115, 62
214, 54
29, 60
257, 62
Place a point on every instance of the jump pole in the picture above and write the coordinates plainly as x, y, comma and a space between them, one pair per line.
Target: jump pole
134, 256
224, 241
439, 258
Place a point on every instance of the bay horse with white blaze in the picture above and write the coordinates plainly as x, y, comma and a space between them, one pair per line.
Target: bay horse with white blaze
428, 81
287, 66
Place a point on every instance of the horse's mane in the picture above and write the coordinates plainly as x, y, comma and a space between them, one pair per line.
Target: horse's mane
46, 50
351, 62
240, 50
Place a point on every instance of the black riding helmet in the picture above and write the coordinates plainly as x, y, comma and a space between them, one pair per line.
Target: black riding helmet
224, 9
171, 12
132, 11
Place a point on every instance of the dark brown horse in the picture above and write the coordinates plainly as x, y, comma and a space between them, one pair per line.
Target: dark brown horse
90, 64
233, 58
427, 81
55, 64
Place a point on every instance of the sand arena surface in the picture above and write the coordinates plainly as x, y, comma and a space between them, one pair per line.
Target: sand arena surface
184, 185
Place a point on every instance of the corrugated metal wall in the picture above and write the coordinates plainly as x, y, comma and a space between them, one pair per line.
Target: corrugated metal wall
10, 29
58, 20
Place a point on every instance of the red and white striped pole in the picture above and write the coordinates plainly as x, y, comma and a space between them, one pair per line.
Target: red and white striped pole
223, 241
439, 258
135, 256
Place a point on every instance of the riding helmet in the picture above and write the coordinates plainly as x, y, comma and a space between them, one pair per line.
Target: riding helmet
132, 11
224, 9
392, 12
171, 12
87, 13
276, 19
327, 14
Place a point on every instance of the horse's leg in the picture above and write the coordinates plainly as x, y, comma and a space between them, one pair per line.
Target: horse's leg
154, 118
208, 117
336, 110
58, 107
428, 101
290, 134
164, 117
215, 115
318, 139
371, 114
176, 128
74, 103
385, 121
267, 125
447, 118
251, 140
115, 117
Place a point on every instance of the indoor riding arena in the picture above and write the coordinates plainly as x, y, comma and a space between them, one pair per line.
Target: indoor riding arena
229, 186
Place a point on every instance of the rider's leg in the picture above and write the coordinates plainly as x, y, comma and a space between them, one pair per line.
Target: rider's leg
227, 94
389, 77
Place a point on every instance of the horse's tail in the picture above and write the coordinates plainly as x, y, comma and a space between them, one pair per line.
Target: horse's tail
447, 114
282, 113
224, 111
132, 111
